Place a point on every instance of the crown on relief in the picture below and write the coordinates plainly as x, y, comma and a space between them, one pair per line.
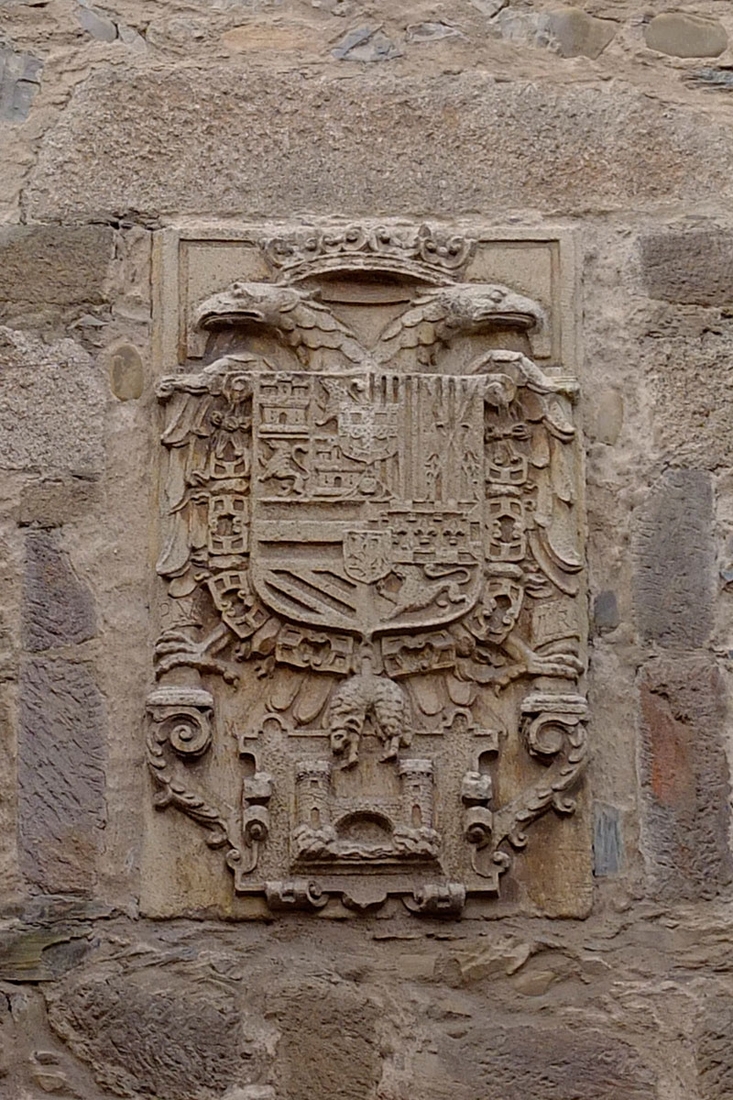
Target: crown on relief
426, 253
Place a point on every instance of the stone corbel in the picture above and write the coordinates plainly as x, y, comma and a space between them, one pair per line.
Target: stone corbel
554, 733
179, 733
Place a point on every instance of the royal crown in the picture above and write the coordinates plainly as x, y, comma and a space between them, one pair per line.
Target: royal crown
425, 253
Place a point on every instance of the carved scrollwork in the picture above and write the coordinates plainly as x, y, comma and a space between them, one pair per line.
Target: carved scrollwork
443, 900
256, 794
554, 732
295, 894
476, 795
179, 727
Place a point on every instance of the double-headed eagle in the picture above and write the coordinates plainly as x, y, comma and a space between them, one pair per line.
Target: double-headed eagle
525, 404
300, 321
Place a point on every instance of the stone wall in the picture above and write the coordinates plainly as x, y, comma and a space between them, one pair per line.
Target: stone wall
121, 118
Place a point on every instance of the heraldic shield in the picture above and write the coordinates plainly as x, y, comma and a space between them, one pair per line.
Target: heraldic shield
366, 498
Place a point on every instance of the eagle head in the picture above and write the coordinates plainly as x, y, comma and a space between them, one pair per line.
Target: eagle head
247, 303
471, 307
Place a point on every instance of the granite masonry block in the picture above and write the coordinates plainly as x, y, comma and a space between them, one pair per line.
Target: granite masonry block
61, 775
45, 267
674, 561
58, 609
685, 777
691, 267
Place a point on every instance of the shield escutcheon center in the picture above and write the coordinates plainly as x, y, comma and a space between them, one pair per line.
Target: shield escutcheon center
367, 555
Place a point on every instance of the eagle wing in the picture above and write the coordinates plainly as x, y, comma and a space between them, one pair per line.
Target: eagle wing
415, 328
441, 314
298, 319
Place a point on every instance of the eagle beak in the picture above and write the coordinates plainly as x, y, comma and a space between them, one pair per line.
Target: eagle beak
226, 320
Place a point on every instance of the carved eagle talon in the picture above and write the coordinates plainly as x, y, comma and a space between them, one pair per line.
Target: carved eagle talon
566, 665
176, 649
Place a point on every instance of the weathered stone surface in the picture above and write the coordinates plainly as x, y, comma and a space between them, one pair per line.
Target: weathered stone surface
608, 844
686, 351
174, 1041
51, 406
52, 268
44, 952
431, 31
328, 1044
685, 777
674, 554
578, 34
366, 44
714, 1044
61, 775
711, 79
512, 1063
489, 8
57, 608
130, 37
608, 419
605, 612
51, 503
97, 25
456, 144
256, 37
567, 31
20, 79
193, 116
694, 267
683, 34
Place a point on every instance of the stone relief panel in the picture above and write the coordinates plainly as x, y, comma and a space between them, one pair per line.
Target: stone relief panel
372, 637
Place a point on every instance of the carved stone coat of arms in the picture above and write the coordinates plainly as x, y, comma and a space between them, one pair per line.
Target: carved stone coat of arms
372, 555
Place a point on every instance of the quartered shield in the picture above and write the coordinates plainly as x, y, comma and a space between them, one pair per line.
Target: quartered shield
367, 498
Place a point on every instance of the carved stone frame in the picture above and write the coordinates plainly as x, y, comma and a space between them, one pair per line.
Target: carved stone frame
186, 757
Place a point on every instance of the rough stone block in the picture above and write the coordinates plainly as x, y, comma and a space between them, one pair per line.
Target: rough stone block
686, 351
514, 1063
51, 503
61, 775
489, 8
685, 777
431, 31
607, 419
711, 78
39, 954
53, 267
51, 406
608, 844
578, 34
329, 1046
96, 24
682, 34
605, 612
456, 144
694, 267
674, 556
714, 1051
57, 608
366, 44
20, 79
162, 1038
